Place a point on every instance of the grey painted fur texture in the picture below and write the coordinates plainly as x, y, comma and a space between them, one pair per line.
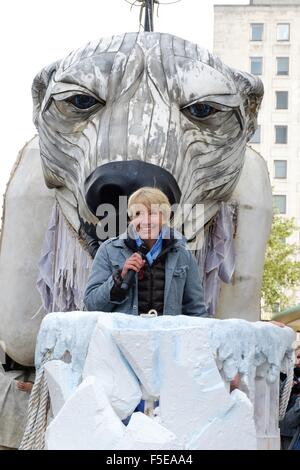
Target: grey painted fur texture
145, 85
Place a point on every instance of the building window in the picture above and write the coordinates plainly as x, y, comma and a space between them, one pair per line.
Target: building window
283, 32
276, 307
257, 30
282, 98
283, 64
255, 139
280, 169
256, 64
281, 134
280, 204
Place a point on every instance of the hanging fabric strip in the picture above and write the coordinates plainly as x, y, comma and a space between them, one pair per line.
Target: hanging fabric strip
64, 267
216, 259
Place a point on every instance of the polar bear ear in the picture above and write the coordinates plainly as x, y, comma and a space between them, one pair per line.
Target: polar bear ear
251, 89
39, 88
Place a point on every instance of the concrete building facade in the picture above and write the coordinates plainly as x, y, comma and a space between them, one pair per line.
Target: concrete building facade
264, 39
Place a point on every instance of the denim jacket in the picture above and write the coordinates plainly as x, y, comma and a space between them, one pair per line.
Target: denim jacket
183, 292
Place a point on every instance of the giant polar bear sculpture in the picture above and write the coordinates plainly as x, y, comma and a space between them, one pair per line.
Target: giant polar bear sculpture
146, 101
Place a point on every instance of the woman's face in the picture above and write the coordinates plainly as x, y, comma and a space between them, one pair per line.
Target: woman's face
147, 223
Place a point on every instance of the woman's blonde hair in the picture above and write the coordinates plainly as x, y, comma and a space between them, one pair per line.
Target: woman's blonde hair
150, 198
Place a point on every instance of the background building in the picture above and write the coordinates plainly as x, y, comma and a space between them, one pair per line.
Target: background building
264, 38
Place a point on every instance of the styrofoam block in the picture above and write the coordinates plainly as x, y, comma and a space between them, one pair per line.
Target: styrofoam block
144, 433
86, 421
234, 430
59, 381
192, 391
141, 349
105, 361
177, 365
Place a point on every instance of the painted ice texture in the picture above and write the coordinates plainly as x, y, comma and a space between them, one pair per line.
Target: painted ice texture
100, 365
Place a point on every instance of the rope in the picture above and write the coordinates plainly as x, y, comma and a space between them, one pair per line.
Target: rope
286, 391
38, 408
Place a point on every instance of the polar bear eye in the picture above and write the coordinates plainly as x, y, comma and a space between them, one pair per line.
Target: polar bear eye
200, 110
82, 101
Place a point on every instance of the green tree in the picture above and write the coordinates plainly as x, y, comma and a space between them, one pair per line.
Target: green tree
281, 270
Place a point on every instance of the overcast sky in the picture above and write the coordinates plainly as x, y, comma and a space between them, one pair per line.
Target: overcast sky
35, 33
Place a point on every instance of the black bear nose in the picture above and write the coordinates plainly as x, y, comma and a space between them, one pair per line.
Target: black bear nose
114, 179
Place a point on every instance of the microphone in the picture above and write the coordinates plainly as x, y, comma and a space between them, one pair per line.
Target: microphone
130, 276
128, 279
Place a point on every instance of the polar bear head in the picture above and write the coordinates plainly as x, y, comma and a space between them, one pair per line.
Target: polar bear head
143, 109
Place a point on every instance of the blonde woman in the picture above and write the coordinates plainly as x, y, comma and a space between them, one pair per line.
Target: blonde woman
165, 273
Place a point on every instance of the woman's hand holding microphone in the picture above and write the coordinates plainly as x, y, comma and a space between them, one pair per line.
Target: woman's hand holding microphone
134, 262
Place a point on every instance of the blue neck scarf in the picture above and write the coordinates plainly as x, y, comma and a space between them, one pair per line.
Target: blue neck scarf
156, 248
